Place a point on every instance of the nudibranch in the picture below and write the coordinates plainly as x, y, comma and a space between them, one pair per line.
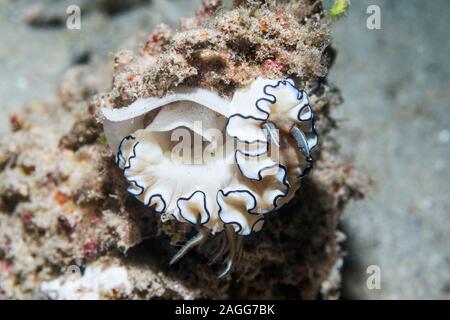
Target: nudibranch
219, 164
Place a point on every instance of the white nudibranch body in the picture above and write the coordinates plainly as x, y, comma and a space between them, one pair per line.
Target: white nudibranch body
213, 162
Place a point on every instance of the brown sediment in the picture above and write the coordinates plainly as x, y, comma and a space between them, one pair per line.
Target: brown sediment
63, 201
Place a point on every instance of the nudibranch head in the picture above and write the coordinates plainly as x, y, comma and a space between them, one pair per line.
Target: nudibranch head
214, 162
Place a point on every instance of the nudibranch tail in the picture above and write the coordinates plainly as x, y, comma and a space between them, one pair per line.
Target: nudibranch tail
221, 165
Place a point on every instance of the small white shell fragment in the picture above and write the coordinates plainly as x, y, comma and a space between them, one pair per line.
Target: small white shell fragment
97, 282
236, 188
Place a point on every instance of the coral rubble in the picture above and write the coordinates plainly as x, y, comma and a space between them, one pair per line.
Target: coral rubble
63, 201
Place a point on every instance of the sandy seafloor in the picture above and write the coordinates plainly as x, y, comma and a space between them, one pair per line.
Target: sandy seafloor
395, 122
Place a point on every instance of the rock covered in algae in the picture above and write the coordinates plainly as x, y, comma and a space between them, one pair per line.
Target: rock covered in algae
63, 201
